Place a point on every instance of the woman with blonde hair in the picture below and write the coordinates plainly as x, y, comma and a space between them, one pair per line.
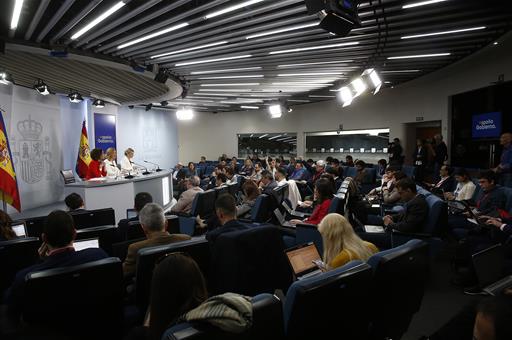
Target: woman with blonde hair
341, 243
110, 163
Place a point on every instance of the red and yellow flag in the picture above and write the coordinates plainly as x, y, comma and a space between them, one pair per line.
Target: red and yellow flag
8, 184
84, 157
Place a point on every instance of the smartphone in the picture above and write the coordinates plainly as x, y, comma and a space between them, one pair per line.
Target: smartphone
320, 264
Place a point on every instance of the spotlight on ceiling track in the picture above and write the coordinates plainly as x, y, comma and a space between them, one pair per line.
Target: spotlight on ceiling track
42, 88
6, 78
337, 17
346, 96
184, 114
164, 103
98, 103
372, 79
75, 97
276, 111
149, 106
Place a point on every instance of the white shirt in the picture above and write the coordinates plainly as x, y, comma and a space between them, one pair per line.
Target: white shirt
126, 164
111, 167
293, 191
464, 191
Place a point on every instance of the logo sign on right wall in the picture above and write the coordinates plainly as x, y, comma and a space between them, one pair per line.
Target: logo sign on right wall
486, 125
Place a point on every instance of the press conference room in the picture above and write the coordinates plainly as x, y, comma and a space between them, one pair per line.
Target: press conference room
250, 169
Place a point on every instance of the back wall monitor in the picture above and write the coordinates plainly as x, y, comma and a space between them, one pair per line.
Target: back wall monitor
486, 125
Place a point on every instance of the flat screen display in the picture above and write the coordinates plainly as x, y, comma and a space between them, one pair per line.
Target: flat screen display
486, 125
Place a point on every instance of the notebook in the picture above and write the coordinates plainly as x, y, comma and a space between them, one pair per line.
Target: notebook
303, 259
293, 212
87, 243
281, 219
489, 264
19, 229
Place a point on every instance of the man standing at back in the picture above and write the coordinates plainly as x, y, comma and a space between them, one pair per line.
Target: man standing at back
225, 208
504, 169
56, 251
441, 154
153, 222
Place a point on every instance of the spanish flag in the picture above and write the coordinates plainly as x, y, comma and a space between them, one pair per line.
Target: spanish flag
84, 157
8, 184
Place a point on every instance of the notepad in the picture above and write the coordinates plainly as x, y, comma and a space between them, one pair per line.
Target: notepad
373, 229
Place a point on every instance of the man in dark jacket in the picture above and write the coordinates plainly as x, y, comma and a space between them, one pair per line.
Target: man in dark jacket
225, 209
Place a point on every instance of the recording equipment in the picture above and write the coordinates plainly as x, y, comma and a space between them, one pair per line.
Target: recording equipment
336, 16
157, 166
146, 172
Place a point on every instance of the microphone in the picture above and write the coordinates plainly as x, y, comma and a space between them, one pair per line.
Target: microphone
142, 166
129, 176
157, 166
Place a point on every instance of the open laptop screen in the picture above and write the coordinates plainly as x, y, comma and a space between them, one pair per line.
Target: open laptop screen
131, 213
19, 229
301, 258
84, 244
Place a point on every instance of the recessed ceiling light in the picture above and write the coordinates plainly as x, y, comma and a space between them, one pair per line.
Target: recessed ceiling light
227, 70
422, 3
232, 77
300, 49
421, 56
152, 35
286, 29
99, 19
250, 107
184, 114
16, 14
233, 84
264, 135
444, 32
232, 8
212, 60
319, 63
226, 90
495, 43
189, 49
310, 74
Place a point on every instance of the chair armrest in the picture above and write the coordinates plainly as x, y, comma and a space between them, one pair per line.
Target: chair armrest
245, 220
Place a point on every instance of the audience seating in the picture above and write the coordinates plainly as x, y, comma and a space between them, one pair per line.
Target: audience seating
197, 248
250, 262
107, 235
94, 218
84, 301
35, 226
409, 170
399, 281
120, 249
350, 171
261, 212
305, 233
15, 255
267, 324
334, 304
203, 205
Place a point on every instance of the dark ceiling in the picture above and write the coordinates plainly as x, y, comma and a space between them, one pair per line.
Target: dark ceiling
260, 76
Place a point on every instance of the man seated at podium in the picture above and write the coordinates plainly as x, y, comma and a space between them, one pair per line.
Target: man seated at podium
110, 163
96, 166
56, 251
154, 224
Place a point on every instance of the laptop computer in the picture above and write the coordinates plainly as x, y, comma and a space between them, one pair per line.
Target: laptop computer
131, 213
303, 259
293, 212
19, 228
281, 219
489, 264
87, 243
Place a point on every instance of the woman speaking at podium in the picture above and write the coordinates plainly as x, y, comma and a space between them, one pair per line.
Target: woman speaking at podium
110, 163
96, 166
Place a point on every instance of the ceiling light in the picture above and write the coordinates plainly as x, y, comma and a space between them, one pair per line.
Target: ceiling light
276, 111
42, 88
231, 84
212, 60
298, 84
201, 97
320, 96
99, 19
422, 3
421, 56
98, 103
250, 107
231, 9
345, 95
149, 106
184, 114
319, 63
359, 86
5, 78
152, 35
400, 71
264, 135
442, 33
299, 100
189, 49
227, 70
274, 137
16, 14
495, 43
216, 94
300, 49
75, 97
310, 74
232, 77
226, 90
286, 29
374, 79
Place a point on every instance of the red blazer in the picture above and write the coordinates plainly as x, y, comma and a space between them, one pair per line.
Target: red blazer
94, 170
319, 212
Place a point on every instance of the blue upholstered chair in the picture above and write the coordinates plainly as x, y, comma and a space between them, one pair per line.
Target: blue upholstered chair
203, 205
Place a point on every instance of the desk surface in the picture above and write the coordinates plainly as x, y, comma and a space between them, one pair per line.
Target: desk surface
112, 181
